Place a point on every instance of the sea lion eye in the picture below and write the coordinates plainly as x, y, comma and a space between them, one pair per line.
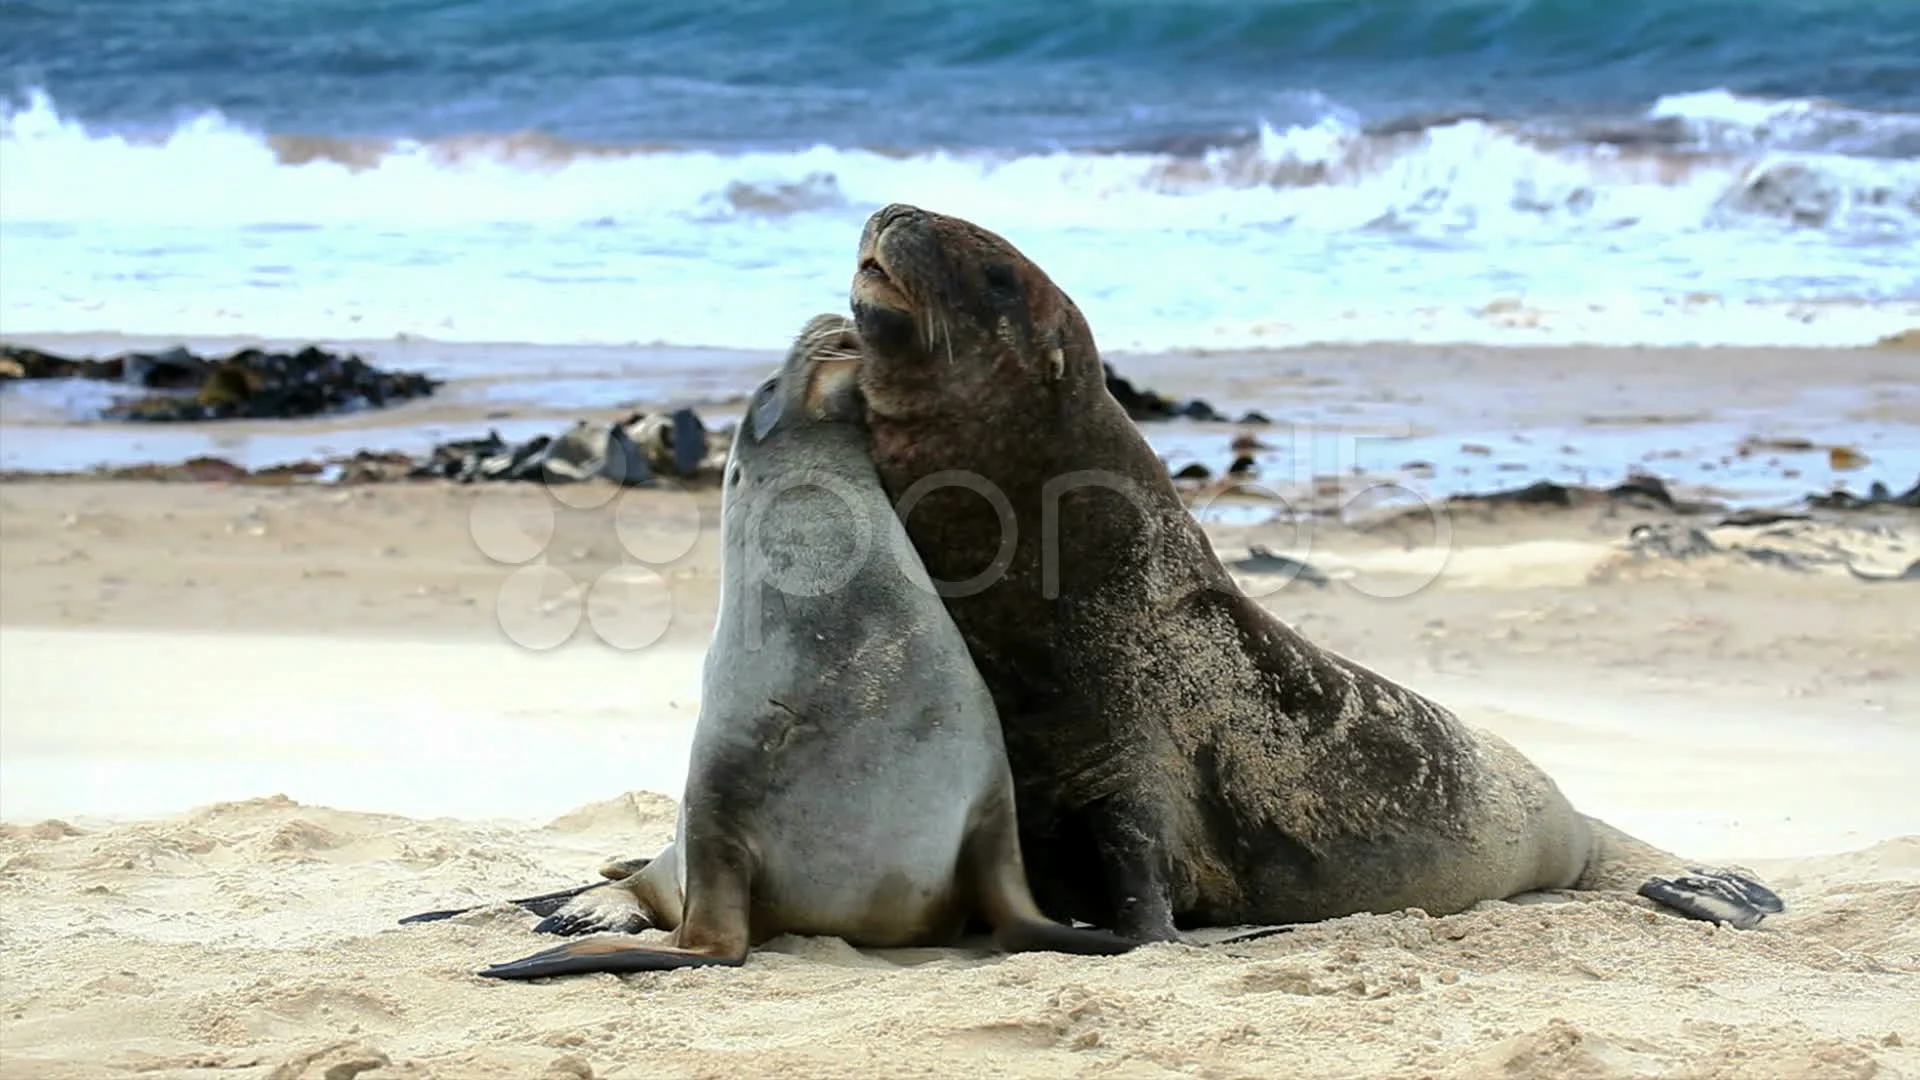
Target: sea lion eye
1003, 282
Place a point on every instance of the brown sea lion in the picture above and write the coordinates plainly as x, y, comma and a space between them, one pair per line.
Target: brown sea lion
1183, 757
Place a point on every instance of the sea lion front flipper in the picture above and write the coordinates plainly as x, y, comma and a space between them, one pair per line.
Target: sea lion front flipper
1715, 895
546, 904
1134, 866
603, 955
605, 907
543, 905
715, 931
625, 903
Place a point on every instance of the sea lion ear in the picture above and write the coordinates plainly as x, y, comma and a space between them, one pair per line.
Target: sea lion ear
768, 403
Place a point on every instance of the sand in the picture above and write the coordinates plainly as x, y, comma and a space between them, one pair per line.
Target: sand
243, 730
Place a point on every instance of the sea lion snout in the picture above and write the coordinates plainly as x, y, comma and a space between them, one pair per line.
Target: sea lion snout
822, 370
885, 219
808, 380
884, 271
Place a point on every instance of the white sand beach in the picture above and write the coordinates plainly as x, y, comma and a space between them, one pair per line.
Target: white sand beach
246, 729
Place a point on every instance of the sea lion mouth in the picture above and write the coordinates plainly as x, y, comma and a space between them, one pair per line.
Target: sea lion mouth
830, 363
874, 287
877, 281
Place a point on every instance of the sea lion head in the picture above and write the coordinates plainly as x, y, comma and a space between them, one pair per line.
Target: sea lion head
951, 314
799, 501
816, 383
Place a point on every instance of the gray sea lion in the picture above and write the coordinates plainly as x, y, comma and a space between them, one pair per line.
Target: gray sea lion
847, 776
1183, 757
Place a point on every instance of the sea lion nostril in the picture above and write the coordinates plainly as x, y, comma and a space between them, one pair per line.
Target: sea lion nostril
895, 212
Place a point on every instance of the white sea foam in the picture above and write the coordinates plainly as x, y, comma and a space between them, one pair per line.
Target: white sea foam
1467, 231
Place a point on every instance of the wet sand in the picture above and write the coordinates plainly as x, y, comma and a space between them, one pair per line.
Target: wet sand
1432, 420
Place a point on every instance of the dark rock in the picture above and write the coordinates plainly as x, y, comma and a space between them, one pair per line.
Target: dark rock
1878, 496
192, 470
671, 444
618, 451
1643, 490
20, 362
1797, 544
1760, 517
1538, 493
1142, 405
1671, 542
1263, 560
524, 462
375, 467
250, 384
296, 468
1195, 471
1646, 492
634, 452
625, 463
1255, 417
452, 460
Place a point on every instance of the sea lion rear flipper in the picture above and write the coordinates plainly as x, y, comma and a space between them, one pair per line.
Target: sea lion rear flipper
543, 905
1715, 895
1249, 934
546, 904
601, 955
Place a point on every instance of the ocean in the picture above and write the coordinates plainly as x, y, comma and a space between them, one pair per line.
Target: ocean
1196, 173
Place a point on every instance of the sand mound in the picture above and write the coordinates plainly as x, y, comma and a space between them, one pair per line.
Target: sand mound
257, 939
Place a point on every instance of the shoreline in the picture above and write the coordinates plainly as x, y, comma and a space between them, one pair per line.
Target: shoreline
1751, 427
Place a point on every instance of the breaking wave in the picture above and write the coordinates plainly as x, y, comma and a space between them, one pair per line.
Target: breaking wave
1704, 194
